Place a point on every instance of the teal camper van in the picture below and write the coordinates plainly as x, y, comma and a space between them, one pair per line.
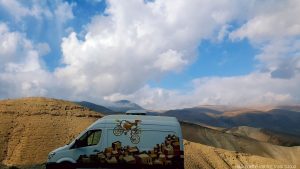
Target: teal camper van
124, 141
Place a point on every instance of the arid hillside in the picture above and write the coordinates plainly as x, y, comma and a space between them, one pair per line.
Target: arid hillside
30, 128
223, 140
206, 157
265, 135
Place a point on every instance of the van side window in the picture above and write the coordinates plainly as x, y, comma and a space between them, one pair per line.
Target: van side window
94, 138
90, 138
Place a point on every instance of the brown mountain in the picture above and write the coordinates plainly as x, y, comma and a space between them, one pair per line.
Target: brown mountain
202, 156
239, 143
283, 119
265, 135
31, 127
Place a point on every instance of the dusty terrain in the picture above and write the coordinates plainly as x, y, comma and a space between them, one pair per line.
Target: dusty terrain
265, 135
30, 128
202, 156
220, 139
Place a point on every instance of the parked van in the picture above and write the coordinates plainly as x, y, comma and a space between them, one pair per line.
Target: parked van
124, 141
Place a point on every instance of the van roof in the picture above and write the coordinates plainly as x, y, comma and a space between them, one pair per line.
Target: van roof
159, 120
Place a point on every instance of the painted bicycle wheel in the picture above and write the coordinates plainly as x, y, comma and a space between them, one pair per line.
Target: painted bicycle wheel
118, 130
135, 139
136, 131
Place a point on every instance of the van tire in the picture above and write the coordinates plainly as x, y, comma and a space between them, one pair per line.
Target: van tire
67, 165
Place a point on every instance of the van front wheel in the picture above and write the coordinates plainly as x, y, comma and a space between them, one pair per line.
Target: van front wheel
66, 165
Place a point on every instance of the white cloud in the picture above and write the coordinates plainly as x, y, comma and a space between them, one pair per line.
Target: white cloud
12, 44
18, 10
170, 60
256, 89
7, 42
277, 76
276, 33
15, 8
252, 89
63, 12
280, 58
280, 22
135, 42
223, 33
58, 10
43, 48
21, 70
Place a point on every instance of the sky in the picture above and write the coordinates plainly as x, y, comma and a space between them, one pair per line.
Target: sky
161, 54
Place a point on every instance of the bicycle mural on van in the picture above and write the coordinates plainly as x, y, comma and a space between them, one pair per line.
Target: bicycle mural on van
125, 126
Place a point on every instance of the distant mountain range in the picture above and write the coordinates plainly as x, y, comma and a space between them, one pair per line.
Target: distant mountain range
95, 107
264, 135
283, 119
31, 127
276, 119
123, 106
120, 106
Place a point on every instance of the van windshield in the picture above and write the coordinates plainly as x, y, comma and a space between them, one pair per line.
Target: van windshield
90, 138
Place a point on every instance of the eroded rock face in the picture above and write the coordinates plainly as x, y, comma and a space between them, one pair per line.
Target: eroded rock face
30, 128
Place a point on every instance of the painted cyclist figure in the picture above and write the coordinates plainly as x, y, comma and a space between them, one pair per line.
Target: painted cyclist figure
125, 126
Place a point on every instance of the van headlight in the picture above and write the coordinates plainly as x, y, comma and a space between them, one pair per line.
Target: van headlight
51, 155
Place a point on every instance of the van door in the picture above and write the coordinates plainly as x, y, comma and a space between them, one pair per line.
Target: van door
89, 143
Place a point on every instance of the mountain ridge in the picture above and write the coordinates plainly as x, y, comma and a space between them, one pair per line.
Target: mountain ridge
32, 127
243, 144
265, 135
120, 106
287, 121
95, 107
